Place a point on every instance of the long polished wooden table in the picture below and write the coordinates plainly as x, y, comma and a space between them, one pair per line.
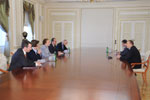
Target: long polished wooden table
85, 74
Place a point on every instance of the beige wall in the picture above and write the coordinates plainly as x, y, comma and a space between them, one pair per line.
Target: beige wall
133, 12
96, 27
50, 12
133, 23
16, 21
65, 23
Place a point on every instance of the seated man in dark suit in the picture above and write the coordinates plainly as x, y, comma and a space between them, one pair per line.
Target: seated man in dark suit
20, 60
61, 47
35, 53
133, 56
52, 47
126, 50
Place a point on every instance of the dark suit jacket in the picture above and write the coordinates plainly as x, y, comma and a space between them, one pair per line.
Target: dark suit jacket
19, 60
124, 52
33, 56
52, 49
61, 47
133, 56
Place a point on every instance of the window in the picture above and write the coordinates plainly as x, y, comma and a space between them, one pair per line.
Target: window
27, 27
2, 36
29, 31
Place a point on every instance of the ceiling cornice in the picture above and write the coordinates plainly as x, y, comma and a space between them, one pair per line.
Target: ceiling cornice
99, 4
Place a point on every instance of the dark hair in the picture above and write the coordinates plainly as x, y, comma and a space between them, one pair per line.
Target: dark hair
124, 41
131, 42
53, 39
34, 43
25, 43
44, 41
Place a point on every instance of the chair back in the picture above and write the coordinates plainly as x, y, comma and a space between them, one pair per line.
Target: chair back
147, 63
12, 52
3, 64
147, 54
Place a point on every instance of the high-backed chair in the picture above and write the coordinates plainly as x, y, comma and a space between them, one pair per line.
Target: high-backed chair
3, 71
139, 49
12, 52
3, 64
145, 65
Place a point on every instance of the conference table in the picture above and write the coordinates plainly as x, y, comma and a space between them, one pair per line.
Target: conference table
84, 74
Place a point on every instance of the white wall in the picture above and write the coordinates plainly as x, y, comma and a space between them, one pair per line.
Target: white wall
96, 27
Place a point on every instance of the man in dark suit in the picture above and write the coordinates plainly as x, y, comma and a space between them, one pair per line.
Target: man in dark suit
52, 47
35, 53
61, 47
126, 50
20, 60
133, 56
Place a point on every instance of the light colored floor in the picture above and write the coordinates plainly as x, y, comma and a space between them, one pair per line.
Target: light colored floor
144, 89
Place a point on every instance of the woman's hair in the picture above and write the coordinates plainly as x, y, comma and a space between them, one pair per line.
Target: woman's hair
34, 43
44, 41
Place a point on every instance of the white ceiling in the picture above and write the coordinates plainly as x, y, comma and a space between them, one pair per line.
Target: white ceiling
85, 0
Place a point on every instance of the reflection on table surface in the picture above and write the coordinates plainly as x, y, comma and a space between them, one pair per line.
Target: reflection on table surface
85, 74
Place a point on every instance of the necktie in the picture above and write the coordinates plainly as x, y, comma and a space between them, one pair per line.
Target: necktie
25, 55
62, 47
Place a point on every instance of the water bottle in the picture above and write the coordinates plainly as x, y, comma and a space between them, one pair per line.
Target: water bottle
107, 50
69, 50
55, 56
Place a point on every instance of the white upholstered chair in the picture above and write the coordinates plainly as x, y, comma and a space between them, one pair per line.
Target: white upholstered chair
145, 66
3, 64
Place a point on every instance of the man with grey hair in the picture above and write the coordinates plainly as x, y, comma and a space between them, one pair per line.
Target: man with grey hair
61, 47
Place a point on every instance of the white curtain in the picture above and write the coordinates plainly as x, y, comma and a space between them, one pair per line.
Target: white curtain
3, 39
27, 27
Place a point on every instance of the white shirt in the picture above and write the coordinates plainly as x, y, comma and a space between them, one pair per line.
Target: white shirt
24, 52
35, 50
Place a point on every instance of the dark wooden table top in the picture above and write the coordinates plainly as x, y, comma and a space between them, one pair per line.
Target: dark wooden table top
86, 74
